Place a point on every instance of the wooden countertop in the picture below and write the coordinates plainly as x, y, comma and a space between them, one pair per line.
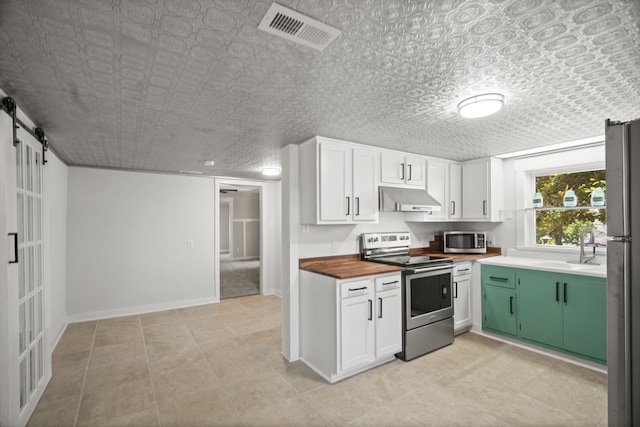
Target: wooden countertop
345, 266
350, 266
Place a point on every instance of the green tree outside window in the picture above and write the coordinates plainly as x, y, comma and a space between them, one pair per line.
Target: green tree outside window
562, 227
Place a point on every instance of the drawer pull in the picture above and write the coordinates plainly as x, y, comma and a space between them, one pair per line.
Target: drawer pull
357, 289
390, 283
499, 279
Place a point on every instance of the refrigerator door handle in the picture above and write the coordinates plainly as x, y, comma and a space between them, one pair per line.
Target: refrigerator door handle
619, 239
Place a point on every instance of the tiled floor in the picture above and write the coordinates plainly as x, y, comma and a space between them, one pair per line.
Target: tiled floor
220, 364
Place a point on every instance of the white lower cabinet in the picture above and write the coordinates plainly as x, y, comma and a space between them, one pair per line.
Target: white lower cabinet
348, 326
462, 320
357, 333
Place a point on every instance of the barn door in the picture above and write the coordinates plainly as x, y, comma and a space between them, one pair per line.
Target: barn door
25, 345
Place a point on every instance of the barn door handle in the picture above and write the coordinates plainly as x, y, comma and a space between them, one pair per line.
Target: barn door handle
15, 248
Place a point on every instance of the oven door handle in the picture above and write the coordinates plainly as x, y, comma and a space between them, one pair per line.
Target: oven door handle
428, 269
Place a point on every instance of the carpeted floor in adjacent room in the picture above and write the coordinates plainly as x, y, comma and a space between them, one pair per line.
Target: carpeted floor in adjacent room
239, 278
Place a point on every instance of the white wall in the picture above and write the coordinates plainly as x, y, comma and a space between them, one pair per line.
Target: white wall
246, 205
318, 241
55, 261
127, 242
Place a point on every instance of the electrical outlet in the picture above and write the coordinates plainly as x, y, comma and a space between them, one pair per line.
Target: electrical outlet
190, 244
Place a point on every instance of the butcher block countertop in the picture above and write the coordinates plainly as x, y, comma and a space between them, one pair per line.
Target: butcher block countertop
345, 266
350, 266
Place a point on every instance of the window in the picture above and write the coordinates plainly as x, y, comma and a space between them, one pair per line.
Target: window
558, 223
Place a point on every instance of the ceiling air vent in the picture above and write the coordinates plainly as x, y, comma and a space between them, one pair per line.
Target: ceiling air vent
297, 27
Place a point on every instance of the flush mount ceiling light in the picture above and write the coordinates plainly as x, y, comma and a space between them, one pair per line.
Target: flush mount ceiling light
209, 163
481, 105
271, 171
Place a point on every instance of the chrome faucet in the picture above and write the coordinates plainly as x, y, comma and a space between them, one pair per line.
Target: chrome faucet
592, 242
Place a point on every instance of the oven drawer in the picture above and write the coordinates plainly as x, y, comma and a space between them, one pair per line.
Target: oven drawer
388, 282
499, 276
356, 288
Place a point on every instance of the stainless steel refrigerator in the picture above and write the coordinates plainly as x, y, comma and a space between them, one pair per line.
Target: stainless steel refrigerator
623, 271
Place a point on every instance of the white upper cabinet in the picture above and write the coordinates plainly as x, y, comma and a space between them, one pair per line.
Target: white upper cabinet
366, 164
438, 186
482, 189
399, 169
444, 183
335, 182
338, 182
455, 191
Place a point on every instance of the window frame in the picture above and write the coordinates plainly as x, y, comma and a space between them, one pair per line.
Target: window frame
527, 168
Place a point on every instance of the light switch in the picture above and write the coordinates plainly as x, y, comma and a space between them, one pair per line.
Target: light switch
190, 244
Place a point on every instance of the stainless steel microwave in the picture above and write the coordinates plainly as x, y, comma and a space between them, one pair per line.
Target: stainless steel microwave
464, 242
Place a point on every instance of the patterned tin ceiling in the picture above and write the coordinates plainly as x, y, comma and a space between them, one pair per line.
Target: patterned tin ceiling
166, 84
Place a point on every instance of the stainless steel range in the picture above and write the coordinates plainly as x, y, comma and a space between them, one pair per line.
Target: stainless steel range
426, 291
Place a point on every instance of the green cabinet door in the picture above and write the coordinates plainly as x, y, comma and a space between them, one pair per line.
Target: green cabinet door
540, 306
585, 315
498, 309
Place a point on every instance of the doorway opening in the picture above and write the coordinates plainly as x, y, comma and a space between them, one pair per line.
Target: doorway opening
239, 225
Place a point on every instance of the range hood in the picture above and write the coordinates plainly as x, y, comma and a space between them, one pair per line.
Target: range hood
393, 199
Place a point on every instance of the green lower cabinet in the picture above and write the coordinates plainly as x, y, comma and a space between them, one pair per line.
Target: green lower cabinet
565, 312
498, 309
540, 307
585, 316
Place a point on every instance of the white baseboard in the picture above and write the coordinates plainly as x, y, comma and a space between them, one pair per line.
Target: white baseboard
57, 332
130, 311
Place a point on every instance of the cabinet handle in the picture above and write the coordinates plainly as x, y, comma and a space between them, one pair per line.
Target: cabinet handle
370, 310
357, 289
453, 207
565, 293
357, 206
15, 248
510, 305
348, 205
390, 283
402, 170
455, 290
499, 279
557, 291
380, 308
484, 207
409, 172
